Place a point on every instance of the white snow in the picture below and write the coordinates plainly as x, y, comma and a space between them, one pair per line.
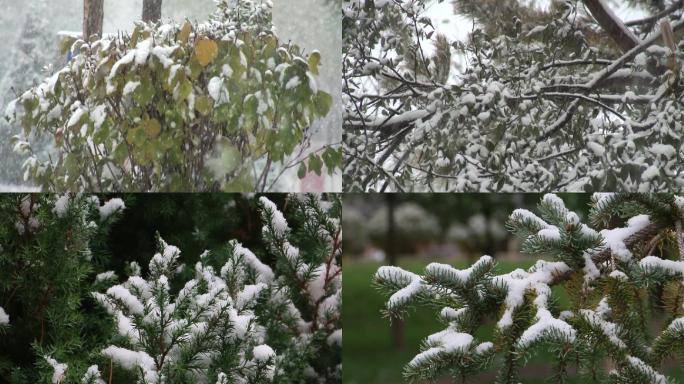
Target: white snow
4, 317
262, 353
76, 117
133, 359
129, 301
447, 341
449, 313
335, 338
277, 219
110, 207
647, 370
105, 276
92, 375
596, 148
668, 266
609, 329
454, 275
59, 370
264, 272
61, 205
552, 233
293, 82
615, 238
519, 281
214, 88
130, 87
99, 114
412, 283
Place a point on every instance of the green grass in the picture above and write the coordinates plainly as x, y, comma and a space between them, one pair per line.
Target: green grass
368, 353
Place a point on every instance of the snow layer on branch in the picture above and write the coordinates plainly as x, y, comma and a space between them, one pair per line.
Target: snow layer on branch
456, 275
335, 338
92, 375
61, 205
123, 295
610, 330
276, 218
646, 370
264, 272
4, 317
447, 341
670, 267
59, 370
133, 359
105, 276
615, 238
525, 215
519, 281
412, 284
262, 353
110, 207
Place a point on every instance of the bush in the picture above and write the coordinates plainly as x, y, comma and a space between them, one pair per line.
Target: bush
217, 105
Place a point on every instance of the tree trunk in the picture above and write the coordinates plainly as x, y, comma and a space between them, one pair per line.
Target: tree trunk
93, 14
612, 25
391, 253
151, 10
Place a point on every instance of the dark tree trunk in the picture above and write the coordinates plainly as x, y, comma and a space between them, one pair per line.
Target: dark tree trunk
391, 253
612, 25
93, 14
151, 10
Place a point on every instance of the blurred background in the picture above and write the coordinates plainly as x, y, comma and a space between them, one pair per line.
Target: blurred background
30, 36
411, 231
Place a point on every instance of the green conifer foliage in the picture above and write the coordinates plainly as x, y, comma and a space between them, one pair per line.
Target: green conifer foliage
623, 272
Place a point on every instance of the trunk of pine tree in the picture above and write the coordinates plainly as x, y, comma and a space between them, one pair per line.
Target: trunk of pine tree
390, 250
151, 10
93, 14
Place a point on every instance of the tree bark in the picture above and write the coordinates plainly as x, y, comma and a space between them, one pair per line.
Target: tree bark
391, 253
612, 25
93, 15
151, 10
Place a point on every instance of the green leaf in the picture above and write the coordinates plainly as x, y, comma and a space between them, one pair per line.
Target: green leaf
152, 128
203, 105
184, 90
301, 172
322, 102
315, 164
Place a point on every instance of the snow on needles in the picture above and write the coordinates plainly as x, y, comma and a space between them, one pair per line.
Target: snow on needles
110, 207
519, 281
59, 370
133, 359
4, 317
615, 238
262, 353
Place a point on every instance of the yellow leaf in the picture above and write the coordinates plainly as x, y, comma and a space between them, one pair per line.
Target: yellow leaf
206, 51
152, 128
314, 60
184, 33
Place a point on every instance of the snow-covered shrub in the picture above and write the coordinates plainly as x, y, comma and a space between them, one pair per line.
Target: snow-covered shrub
237, 320
222, 104
623, 273
414, 226
552, 102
